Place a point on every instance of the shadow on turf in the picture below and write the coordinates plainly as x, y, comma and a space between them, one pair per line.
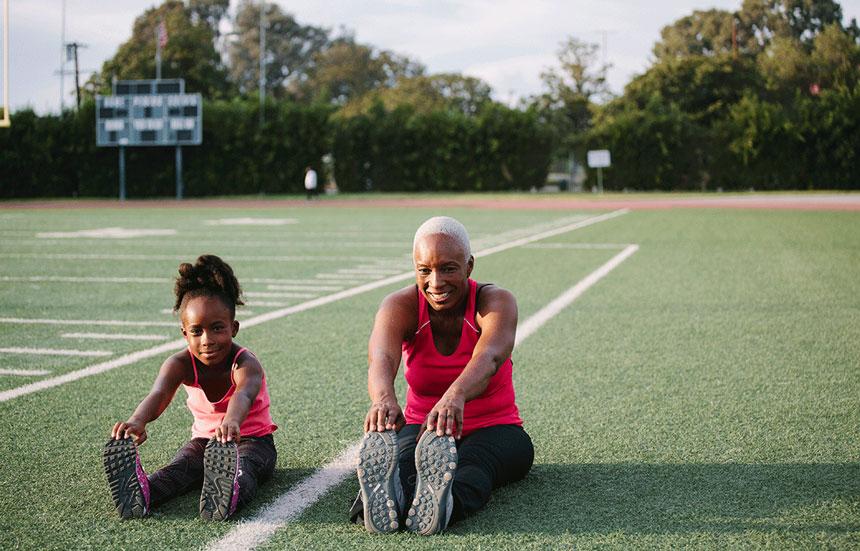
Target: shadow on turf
667, 499
645, 499
187, 506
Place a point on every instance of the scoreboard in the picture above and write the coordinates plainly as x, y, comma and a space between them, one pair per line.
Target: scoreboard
149, 113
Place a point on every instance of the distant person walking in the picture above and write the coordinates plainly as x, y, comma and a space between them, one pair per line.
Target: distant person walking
310, 183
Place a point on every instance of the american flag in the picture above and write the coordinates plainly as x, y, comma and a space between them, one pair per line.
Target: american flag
161, 34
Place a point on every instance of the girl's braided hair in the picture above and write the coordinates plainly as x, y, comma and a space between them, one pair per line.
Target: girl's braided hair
208, 277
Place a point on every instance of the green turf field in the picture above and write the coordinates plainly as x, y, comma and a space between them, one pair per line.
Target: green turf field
705, 393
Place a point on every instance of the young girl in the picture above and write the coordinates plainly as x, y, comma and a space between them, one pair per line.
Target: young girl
231, 448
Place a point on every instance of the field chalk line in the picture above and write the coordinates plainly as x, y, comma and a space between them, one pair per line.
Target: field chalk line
178, 344
255, 531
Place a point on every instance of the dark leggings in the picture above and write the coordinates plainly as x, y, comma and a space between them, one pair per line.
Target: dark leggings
489, 458
257, 457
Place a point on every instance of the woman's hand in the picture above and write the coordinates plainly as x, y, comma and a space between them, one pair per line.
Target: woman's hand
384, 415
446, 417
227, 431
131, 428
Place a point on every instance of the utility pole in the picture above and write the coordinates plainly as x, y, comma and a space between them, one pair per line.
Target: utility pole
72, 50
63, 60
262, 83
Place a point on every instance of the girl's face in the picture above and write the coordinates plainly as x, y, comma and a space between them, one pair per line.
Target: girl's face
209, 329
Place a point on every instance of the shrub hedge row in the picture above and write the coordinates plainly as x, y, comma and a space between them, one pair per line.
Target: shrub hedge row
502, 148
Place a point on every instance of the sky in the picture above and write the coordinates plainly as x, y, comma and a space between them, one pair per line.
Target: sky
508, 43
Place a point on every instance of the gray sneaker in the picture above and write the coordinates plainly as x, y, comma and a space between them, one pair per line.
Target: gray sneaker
435, 461
379, 478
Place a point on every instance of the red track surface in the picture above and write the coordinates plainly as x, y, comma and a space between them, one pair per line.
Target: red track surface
820, 202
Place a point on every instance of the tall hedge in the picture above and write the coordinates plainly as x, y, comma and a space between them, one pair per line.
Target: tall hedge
56, 156
498, 149
501, 148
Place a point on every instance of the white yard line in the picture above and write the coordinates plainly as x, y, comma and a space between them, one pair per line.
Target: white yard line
88, 279
588, 246
118, 323
278, 294
115, 336
304, 287
276, 314
342, 277
25, 372
56, 352
256, 530
179, 258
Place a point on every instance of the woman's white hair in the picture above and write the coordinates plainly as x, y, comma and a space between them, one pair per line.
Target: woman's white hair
447, 226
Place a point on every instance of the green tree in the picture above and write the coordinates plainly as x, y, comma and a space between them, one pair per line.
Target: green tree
703, 33
190, 53
801, 20
568, 104
348, 70
291, 49
425, 94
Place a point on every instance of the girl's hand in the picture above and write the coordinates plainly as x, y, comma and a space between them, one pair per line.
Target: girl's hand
131, 428
228, 431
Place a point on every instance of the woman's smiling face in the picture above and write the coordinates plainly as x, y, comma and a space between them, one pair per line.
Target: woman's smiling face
442, 269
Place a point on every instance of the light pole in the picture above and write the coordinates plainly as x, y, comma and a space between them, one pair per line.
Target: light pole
262, 62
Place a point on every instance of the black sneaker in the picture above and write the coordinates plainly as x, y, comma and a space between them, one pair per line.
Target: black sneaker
128, 484
435, 462
220, 492
379, 478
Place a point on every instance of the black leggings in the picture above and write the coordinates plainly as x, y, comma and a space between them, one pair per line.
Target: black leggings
489, 458
257, 457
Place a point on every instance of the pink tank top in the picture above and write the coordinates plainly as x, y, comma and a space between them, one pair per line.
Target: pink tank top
208, 415
429, 374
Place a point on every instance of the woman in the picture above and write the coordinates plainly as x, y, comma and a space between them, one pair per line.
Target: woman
456, 338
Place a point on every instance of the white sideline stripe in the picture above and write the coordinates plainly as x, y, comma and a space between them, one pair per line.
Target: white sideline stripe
551, 233
269, 316
549, 311
274, 294
368, 271
267, 304
114, 336
274, 281
88, 279
175, 258
41, 321
346, 276
596, 246
250, 533
56, 352
25, 372
304, 287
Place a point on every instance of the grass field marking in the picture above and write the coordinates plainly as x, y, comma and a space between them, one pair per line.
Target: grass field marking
251, 221
550, 233
180, 258
279, 294
339, 277
107, 233
553, 308
275, 281
255, 531
86, 279
114, 336
575, 246
127, 359
57, 352
119, 323
250, 533
277, 314
304, 287
25, 372
267, 304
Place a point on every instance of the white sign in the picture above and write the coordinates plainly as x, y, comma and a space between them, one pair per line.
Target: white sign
598, 158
